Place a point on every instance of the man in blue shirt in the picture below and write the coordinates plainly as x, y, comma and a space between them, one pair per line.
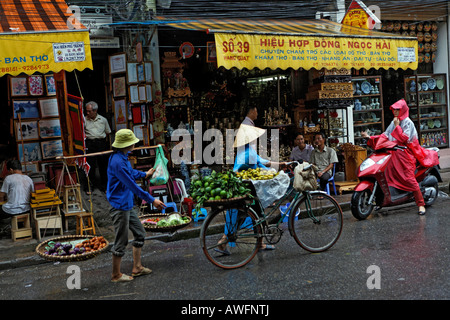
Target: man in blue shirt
121, 187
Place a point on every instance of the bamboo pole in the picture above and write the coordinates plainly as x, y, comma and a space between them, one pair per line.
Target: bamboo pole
103, 153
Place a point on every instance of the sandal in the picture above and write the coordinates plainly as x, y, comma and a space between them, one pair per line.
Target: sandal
268, 247
421, 213
123, 278
143, 272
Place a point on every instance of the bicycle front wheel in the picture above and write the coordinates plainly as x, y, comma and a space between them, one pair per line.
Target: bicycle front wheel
315, 221
231, 237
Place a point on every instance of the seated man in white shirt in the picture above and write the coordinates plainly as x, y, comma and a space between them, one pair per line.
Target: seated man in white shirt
301, 151
16, 191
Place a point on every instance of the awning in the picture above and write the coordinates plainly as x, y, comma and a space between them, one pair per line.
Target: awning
41, 36
274, 43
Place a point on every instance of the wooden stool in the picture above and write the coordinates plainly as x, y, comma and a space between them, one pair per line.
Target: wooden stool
72, 198
85, 223
23, 232
47, 217
70, 214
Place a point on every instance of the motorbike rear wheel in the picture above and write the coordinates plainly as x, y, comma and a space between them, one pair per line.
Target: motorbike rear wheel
430, 196
360, 206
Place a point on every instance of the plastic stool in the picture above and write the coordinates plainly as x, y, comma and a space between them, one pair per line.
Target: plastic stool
199, 216
170, 205
283, 210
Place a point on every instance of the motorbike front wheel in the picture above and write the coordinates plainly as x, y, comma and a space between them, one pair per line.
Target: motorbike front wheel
360, 206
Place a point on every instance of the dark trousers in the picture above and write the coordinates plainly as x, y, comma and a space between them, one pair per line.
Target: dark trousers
100, 162
323, 181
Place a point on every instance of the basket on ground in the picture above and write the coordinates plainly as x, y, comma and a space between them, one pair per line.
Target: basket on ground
70, 239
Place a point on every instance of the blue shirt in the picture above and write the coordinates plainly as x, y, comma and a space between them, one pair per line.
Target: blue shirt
248, 159
122, 183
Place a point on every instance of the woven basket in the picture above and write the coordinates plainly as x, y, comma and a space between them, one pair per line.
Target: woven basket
220, 202
40, 249
154, 228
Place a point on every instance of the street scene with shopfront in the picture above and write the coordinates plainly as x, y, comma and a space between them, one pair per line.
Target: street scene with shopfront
222, 157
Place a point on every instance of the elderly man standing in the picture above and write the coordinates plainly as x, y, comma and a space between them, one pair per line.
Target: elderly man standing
97, 132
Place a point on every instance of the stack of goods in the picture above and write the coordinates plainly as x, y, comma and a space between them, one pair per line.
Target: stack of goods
44, 198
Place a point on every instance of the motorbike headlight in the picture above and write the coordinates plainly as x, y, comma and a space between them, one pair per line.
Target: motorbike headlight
366, 164
381, 161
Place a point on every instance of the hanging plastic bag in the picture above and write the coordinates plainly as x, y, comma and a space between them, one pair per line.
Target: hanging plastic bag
161, 174
305, 178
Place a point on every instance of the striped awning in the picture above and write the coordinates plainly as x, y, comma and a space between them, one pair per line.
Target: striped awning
276, 43
41, 36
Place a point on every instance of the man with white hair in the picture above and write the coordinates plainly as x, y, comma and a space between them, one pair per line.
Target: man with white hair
97, 132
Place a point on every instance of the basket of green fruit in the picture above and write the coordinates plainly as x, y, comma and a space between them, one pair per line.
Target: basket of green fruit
164, 222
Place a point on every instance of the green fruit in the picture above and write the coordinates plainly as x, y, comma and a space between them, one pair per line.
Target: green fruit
217, 198
223, 194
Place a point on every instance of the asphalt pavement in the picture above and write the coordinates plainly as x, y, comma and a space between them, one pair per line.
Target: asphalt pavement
22, 253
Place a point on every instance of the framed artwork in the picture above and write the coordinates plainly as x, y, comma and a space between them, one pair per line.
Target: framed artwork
120, 113
139, 131
29, 151
144, 113
30, 167
148, 66
118, 63
26, 130
148, 91
50, 86
51, 149
211, 55
142, 93
26, 108
134, 94
48, 107
132, 76
19, 86
49, 128
137, 115
119, 87
140, 72
35, 85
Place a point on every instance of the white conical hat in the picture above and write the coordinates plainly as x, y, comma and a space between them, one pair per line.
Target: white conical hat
247, 134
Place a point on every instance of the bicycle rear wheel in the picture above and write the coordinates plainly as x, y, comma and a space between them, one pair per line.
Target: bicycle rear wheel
316, 221
230, 238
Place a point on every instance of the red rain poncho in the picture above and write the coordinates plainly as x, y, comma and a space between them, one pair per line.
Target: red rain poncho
400, 171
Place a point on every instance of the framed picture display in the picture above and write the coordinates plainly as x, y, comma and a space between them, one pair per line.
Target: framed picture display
120, 113
48, 107
138, 131
30, 167
142, 93
119, 87
137, 115
19, 86
134, 94
29, 151
211, 55
35, 85
26, 130
51, 149
118, 63
148, 91
49, 128
50, 86
27, 109
132, 76
144, 113
148, 66
140, 72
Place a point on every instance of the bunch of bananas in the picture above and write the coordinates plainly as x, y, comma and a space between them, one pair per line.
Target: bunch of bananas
257, 174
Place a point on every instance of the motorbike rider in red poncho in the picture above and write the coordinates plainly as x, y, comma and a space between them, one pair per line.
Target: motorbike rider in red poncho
400, 172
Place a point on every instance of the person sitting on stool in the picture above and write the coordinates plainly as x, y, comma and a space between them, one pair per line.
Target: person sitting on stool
324, 158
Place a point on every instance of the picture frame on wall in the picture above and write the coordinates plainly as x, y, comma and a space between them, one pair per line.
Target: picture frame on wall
137, 115
118, 63
120, 113
142, 93
148, 66
30, 167
26, 130
28, 109
134, 94
35, 85
18, 86
140, 72
148, 91
119, 87
138, 131
51, 149
48, 107
132, 76
211, 55
49, 128
50, 85
29, 151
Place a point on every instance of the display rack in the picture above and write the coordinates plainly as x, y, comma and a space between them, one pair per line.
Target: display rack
368, 112
426, 96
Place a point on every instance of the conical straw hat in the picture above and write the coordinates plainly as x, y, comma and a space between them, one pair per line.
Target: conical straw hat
247, 134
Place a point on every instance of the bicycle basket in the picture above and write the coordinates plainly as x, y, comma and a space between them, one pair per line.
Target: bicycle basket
305, 178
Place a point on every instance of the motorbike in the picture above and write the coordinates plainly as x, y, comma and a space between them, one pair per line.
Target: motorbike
373, 192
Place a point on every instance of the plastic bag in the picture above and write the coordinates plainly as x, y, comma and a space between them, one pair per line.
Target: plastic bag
161, 174
305, 179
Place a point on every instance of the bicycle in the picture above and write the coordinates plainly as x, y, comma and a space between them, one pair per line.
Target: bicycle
316, 226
